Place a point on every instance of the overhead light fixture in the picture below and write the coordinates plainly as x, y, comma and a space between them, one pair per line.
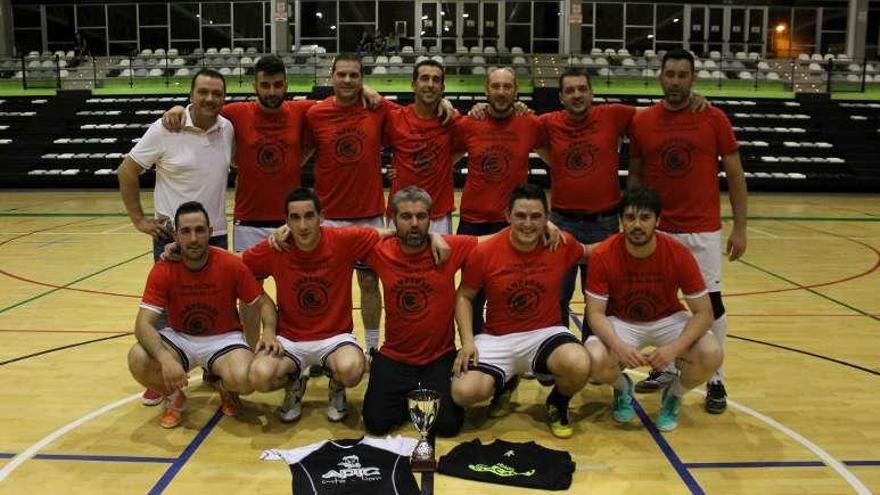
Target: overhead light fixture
780, 28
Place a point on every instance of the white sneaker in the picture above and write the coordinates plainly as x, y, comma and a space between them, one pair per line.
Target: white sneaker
291, 407
337, 408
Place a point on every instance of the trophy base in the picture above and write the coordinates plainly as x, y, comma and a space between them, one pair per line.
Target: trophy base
423, 465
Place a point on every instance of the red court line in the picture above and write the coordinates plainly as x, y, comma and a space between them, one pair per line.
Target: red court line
53, 286
821, 284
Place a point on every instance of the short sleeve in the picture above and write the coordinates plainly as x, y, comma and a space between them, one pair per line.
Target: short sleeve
539, 134
597, 277
462, 246
574, 250
232, 111
622, 116
635, 147
247, 287
358, 241
259, 259
150, 147
690, 279
472, 275
459, 135
155, 296
725, 140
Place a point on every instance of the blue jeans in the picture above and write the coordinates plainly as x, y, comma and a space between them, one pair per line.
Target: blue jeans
587, 230
478, 229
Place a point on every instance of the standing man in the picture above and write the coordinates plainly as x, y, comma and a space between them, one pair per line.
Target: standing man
199, 295
522, 279
677, 152
348, 177
423, 145
582, 153
313, 281
632, 303
190, 165
498, 161
419, 347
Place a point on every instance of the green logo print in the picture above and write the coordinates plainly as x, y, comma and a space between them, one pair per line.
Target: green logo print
499, 469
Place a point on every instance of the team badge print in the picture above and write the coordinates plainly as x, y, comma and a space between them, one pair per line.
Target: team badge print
412, 298
523, 296
676, 156
494, 163
271, 156
579, 159
198, 319
348, 145
311, 295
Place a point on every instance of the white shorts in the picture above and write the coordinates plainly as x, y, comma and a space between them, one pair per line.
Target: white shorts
442, 225
194, 350
649, 334
706, 248
505, 356
310, 352
245, 236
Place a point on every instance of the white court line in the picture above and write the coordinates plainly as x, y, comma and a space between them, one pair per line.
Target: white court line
123, 226
31, 451
830, 461
34, 449
763, 232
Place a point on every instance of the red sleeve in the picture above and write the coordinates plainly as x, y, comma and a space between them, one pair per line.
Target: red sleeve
459, 135
462, 246
635, 148
574, 249
230, 111
472, 275
622, 115
247, 288
538, 132
597, 275
689, 277
156, 289
358, 241
303, 105
725, 140
259, 259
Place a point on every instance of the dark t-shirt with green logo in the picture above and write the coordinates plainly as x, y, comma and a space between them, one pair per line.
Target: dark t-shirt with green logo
508, 463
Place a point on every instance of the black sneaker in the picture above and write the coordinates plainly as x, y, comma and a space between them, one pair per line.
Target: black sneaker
716, 398
500, 405
657, 380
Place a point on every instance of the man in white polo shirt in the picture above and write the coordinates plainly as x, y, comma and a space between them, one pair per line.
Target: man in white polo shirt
192, 165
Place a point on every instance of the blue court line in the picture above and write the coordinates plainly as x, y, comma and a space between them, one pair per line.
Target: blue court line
96, 458
190, 449
771, 464
667, 450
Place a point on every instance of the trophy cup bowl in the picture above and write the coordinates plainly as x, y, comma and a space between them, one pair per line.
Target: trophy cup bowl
423, 405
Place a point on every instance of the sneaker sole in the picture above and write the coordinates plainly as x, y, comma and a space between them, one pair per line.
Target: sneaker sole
285, 419
566, 433
715, 410
667, 427
621, 420
152, 402
336, 419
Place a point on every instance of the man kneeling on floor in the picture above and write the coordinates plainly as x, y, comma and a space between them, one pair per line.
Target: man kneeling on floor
199, 293
632, 303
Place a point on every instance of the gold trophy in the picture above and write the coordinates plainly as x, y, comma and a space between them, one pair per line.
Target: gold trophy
423, 405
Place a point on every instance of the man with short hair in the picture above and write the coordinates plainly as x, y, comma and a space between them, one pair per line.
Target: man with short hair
419, 347
348, 177
199, 295
523, 331
423, 144
677, 153
582, 154
190, 165
498, 150
632, 303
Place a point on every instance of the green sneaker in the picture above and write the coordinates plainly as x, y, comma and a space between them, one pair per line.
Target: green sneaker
623, 411
667, 420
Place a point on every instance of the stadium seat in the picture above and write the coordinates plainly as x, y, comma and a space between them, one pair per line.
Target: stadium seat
745, 75
146, 52
754, 55
368, 60
519, 61
623, 52
380, 69
224, 51
715, 55
476, 49
490, 50
772, 76
478, 71
605, 71
159, 52
141, 73
650, 54
438, 59
156, 72
628, 62
740, 56
226, 71
461, 49
406, 49
395, 59
247, 61
763, 65
803, 57
125, 73
521, 71
710, 65
596, 51
704, 74
815, 68
251, 50
698, 64
817, 58
648, 73
602, 61
173, 52
448, 60
422, 58
211, 51
238, 50
478, 60
610, 52
381, 59
587, 61
852, 78
238, 71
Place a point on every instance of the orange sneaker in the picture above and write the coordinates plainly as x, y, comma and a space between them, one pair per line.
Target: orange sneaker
230, 404
172, 415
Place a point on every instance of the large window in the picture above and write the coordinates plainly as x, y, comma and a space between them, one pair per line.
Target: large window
639, 27
28, 32
545, 27
670, 26
609, 29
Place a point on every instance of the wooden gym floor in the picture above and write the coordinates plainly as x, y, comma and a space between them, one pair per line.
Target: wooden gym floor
803, 360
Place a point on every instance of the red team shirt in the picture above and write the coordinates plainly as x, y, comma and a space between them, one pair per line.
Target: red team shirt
314, 287
680, 153
522, 289
201, 303
419, 299
268, 152
423, 150
643, 289
348, 176
584, 157
498, 161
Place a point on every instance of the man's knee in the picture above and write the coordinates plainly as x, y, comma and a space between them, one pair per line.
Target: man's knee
377, 423
471, 388
450, 421
263, 373
347, 365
